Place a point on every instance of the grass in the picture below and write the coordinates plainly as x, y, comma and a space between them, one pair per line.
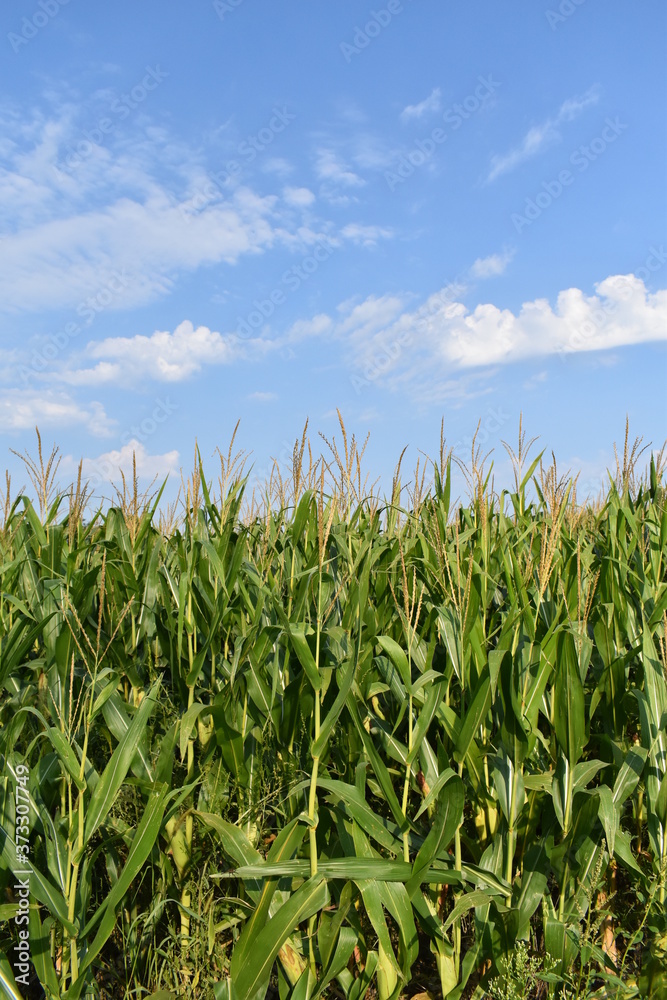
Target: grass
313, 742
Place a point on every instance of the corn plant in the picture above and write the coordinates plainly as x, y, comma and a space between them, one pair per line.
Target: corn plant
329, 743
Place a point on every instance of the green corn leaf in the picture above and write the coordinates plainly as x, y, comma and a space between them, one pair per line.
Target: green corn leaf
629, 774
104, 919
330, 925
346, 679
426, 716
114, 773
8, 987
443, 827
345, 944
465, 903
398, 658
41, 888
144, 838
372, 900
297, 636
430, 799
584, 771
188, 722
251, 981
63, 748
377, 764
609, 816
286, 843
40, 953
396, 899
569, 714
475, 715
347, 869
355, 804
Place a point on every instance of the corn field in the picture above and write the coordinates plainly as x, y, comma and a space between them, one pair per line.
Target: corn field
316, 743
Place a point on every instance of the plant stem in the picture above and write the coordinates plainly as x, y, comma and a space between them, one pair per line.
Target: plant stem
406, 784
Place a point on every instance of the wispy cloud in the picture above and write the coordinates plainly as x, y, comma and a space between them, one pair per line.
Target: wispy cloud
67, 233
541, 136
263, 397
367, 236
330, 167
146, 209
430, 105
492, 266
305, 329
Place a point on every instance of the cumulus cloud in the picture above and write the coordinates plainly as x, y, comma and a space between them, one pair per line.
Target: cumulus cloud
162, 357
430, 105
420, 347
621, 313
108, 466
540, 136
23, 409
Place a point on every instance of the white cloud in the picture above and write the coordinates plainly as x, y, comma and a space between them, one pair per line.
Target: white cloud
365, 235
64, 262
541, 136
107, 467
141, 204
430, 105
365, 318
137, 212
621, 313
299, 197
535, 380
263, 397
277, 165
306, 328
492, 266
331, 168
23, 409
422, 347
163, 357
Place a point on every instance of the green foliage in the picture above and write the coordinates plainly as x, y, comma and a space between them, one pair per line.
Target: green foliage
329, 747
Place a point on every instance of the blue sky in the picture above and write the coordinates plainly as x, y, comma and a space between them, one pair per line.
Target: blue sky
410, 210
